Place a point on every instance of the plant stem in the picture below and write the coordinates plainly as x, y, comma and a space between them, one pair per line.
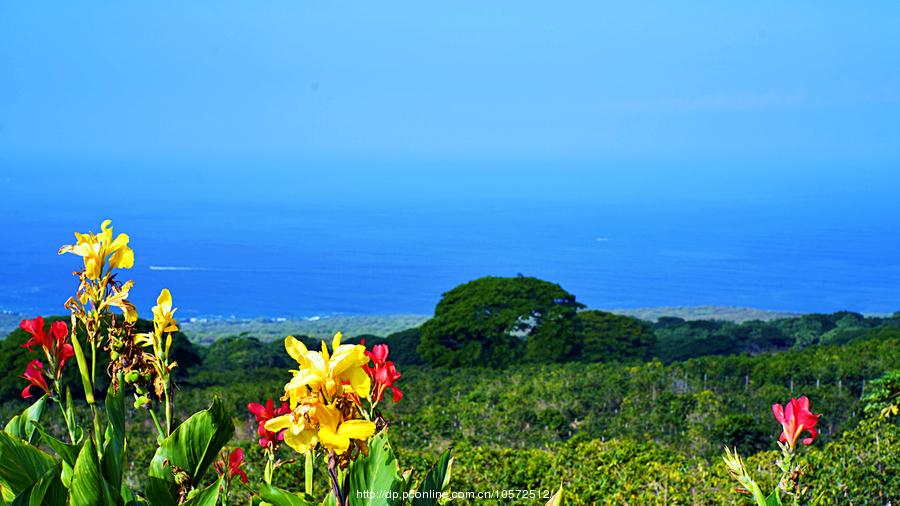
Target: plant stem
82, 366
159, 428
68, 422
335, 481
70, 415
93, 362
167, 398
308, 472
94, 412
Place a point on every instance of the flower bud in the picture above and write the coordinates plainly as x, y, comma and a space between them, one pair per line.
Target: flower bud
141, 402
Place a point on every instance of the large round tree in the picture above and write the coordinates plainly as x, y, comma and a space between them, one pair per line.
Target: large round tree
608, 337
495, 321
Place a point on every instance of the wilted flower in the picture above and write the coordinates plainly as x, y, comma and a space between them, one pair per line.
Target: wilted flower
794, 419
35, 376
97, 249
264, 414
235, 460
119, 299
54, 344
384, 373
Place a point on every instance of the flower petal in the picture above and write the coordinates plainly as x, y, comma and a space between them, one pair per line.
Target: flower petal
296, 349
278, 423
356, 429
301, 442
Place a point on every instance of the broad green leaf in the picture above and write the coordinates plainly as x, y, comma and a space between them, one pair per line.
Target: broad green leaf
68, 453
114, 441
774, 499
378, 473
435, 481
557, 499
209, 496
128, 497
47, 491
88, 487
187, 453
22, 425
21, 464
279, 497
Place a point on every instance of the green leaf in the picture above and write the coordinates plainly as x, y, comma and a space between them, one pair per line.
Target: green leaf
774, 499
47, 491
209, 496
88, 487
435, 481
21, 464
114, 445
22, 425
68, 453
377, 473
188, 452
279, 497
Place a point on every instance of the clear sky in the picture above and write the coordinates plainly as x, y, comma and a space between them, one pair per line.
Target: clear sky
219, 80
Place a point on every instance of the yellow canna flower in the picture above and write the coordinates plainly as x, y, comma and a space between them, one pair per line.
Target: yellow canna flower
163, 314
300, 426
335, 433
314, 423
163, 323
327, 374
97, 249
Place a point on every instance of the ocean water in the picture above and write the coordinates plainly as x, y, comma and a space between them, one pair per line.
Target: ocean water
356, 237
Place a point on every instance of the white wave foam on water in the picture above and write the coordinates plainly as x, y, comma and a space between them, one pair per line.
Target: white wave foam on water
176, 268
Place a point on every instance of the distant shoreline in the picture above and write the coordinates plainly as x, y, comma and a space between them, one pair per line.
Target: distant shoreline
207, 329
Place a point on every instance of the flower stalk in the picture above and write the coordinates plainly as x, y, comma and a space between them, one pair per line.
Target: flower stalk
795, 418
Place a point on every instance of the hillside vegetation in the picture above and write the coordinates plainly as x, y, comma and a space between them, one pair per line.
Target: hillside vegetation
531, 390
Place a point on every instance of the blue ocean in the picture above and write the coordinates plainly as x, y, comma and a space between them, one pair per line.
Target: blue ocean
277, 239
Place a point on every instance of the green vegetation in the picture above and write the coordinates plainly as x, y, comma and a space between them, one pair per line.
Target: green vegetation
14, 358
619, 410
498, 321
660, 427
607, 337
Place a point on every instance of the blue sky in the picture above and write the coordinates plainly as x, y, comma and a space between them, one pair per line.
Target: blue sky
675, 81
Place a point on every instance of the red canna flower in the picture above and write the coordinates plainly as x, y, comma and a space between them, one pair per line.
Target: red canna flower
383, 374
55, 347
235, 461
794, 419
264, 414
34, 373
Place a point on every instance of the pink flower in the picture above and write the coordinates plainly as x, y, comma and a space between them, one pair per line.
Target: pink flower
264, 414
383, 374
34, 373
54, 344
235, 461
794, 419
